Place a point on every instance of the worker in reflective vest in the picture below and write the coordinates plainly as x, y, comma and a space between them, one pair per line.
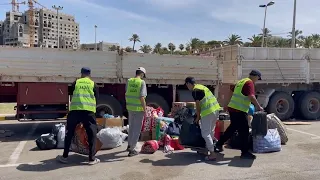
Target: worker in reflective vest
136, 92
207, 108
82, 110
238, 107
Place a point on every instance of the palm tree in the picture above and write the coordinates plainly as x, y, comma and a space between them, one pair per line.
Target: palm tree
157, 48
135, 38
281, 42
181, 47
299, 36
164, 50
145, 48
233, 40
188, 48
255, 41
316, 40
194, 44
214, 44
128, 49
172, 47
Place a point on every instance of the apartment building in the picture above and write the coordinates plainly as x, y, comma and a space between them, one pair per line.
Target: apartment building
17, 29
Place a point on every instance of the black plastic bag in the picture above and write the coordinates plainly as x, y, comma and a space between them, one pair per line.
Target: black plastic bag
46, 142
259, 124
190, 135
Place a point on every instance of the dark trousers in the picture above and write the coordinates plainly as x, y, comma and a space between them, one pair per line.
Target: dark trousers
239, 122
88, 119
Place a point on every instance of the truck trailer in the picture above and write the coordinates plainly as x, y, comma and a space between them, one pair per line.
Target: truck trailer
39, 79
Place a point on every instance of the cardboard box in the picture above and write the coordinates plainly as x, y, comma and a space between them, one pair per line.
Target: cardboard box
111, 122
154, 134
224, 124
145, 136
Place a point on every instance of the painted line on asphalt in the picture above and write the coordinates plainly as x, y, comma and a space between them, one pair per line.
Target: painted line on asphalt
16, 153
14, 165
314, 136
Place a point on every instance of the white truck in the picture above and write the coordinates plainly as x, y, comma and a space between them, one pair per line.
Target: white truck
38, 79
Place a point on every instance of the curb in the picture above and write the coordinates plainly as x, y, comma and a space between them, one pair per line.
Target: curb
7, 117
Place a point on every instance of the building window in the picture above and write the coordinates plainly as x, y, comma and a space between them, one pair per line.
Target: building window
37, 22
60, 17
45, 14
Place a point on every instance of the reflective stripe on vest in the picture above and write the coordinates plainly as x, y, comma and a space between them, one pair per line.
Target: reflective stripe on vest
209, 103
238, 100
133, 102
83, 96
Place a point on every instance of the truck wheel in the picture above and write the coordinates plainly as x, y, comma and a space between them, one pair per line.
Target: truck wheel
107, 104
309, 105
281, 104
155, 100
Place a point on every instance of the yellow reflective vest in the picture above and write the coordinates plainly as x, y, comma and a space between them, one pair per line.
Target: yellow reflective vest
209, 103
83, 96
133, 102
238, 100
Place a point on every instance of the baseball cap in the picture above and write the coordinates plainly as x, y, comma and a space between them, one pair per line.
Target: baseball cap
255, 73
143, 70
85, 70
190, 80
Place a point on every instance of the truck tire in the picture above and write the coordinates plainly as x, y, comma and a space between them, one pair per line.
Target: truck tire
155, 100
309, 105
108, 104
281, 104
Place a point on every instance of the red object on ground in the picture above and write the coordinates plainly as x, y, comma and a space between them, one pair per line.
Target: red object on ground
217, 131
174, 143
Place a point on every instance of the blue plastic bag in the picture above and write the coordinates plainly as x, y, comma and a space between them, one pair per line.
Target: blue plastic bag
251, 110
269, 143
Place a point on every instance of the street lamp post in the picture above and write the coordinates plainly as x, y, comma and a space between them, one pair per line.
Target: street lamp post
265, 6
293, 40
58, 8
95, 37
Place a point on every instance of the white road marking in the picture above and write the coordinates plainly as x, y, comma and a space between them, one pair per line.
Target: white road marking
14, 165
16, 153
313, 135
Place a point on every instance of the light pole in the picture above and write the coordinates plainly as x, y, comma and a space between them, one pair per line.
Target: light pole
95, 37
265, 6
293, 40
58, 8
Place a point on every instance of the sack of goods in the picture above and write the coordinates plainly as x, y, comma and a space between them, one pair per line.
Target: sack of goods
275, 123
59, 131
259, 124
46, 142
111, 137
190, 135
269, 143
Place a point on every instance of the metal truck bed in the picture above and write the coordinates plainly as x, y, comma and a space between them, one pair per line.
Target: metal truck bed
277, 65
52, 65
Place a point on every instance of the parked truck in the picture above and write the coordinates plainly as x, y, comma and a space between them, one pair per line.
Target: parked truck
38, 79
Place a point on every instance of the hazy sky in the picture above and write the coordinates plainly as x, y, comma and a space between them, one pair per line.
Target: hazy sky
179, 20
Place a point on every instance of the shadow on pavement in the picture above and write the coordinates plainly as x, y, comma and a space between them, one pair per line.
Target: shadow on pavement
73, 160
188, 158
21, 130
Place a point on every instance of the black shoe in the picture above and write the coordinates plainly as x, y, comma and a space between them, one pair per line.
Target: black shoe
247, 155
218, 148
133, 153
128, 148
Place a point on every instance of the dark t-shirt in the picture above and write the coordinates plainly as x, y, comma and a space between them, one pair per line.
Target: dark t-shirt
198, 94
247, 90
95, 89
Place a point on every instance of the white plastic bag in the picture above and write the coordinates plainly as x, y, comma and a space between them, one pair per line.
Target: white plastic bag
111, 137
61, 136
269, 143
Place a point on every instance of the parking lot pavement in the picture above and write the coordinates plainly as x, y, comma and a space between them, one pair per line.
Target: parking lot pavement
19, 159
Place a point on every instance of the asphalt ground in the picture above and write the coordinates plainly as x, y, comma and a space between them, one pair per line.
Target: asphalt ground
21, 160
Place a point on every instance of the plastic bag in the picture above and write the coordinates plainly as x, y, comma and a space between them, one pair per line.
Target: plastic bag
61, 136
111, 137
275, 123
269, 143
46, 142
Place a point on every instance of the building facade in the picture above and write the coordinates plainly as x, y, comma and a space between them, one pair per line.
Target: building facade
101, 46
17, 28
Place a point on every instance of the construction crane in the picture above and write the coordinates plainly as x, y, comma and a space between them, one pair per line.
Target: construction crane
31, 20
15, 5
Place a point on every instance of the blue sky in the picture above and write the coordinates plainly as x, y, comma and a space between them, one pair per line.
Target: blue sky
178, 21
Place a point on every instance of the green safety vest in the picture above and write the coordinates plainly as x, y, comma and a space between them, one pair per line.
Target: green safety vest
209, 103
83, 96
133, 95
238, 100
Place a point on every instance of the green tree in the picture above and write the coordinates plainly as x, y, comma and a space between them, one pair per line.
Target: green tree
128, 49
157, 48
308, 42
214, 44
113, 48
194, 44
145, 48
181, 47
135, 38
188, 48
164, 50
233, 40
299, 37
280, 42
171, 47
316, 40
255, 41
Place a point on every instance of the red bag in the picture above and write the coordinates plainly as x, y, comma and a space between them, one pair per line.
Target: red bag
174, 143
149, 118
150, 147
217, 131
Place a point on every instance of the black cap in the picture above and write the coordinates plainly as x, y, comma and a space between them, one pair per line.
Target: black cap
255, 73
85, 70
190, 80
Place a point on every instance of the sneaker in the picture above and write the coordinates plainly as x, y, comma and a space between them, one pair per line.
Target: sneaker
95, 161
61, 159
247, 155
133, 153
218, 148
